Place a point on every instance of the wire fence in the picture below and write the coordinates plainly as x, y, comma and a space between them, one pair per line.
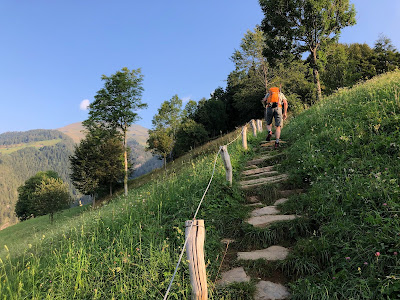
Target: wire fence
198, 208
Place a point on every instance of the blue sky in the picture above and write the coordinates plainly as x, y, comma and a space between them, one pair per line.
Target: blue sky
53, 53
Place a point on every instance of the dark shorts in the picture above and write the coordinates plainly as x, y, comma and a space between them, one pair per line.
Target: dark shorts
276, 113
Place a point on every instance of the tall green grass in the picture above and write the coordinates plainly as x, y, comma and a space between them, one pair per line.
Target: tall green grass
128, 248
347, 149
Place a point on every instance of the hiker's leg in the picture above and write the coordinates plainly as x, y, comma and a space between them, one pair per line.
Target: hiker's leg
278, 132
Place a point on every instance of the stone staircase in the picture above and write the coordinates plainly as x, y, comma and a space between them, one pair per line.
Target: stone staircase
258, 173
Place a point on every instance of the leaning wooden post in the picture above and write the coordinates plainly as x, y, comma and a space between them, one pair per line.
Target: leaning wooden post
227, 163
244, 137
259, 125
253, 126
195, 254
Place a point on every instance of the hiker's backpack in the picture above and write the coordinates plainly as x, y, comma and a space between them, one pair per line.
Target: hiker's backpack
273, 98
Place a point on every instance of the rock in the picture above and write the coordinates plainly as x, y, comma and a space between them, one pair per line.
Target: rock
260, 160
281, 201
267, 290
264, 221
267, 210
261, 181
259, 175
227, 241
272, 253
253, 199
258, 170
234, 275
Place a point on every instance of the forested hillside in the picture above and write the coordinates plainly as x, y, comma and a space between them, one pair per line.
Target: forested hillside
23, 154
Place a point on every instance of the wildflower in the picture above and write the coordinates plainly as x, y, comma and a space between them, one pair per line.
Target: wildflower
347, 258
365, 263
384, 204
333, 278
394, 253
377, 254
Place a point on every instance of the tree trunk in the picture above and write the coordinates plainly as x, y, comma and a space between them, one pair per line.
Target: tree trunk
316, 75
126, 164
94, 200
165, 162
51, 218
110, 189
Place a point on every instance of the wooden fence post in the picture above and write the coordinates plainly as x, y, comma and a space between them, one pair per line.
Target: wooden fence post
244, 137
259, 125
253, 126
227, 163
195, 255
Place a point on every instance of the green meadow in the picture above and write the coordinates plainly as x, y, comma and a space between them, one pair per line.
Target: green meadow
7, 149
344, 151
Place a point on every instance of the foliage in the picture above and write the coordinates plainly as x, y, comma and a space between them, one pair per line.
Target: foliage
45, 193
97, 162
189, 136
297, 26
114, 106
161, 142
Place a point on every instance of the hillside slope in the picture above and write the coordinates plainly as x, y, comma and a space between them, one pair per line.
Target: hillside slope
347, 149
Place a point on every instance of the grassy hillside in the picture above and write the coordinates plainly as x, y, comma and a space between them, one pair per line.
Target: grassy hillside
7, 149
344, 150
347, 149
129, 247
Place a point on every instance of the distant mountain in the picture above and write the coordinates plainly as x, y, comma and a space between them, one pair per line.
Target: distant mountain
23, 154
136, 132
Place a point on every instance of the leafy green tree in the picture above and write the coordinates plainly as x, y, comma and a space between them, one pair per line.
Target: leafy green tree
97, 162
161, 142
115, 104
33, 200
166, 124
189, 136
292, 27
52, 196
387, 58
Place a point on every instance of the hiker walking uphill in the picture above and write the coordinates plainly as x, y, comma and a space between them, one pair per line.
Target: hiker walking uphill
274, 101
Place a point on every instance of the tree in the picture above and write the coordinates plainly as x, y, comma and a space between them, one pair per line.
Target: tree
292, 27
41, 194
189, 136
161, 142
166, 124
52, 196
114, 106
97, 162
387, 58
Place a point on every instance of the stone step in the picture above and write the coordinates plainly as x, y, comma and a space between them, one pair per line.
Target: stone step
234, 275
287, 193
266, 220
264, 180
251, 167
270, 143
261, 175
260, 160
255, 204
267, 290
253, 199
257, 170
281, 201
272, 253
267, 210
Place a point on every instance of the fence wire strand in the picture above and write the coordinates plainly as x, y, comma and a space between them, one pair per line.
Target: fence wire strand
197, 210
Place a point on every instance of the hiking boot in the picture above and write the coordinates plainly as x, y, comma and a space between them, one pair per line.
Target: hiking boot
269, 136
276, 145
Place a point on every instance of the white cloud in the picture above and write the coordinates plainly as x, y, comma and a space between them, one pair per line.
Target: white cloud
84, 104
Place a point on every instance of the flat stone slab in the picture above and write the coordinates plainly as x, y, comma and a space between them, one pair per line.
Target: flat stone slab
251, 167
253, 199
264, 221
258, 170
270, 143
281, 201
260, 175
287, 193
260, 160
267, 290
255, 204
267, 210
272, 253
234, 275
261, 181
